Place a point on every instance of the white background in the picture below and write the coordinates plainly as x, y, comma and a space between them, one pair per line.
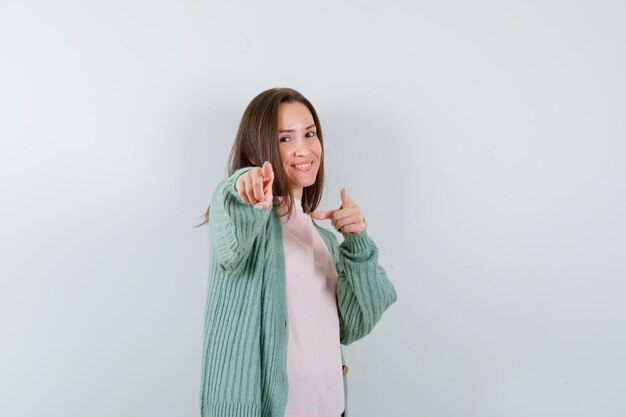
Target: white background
483, 141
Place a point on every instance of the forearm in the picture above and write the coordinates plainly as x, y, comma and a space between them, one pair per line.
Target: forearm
233, 223
364, 291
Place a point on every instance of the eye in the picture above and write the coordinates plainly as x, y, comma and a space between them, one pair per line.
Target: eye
284, 137
312, 134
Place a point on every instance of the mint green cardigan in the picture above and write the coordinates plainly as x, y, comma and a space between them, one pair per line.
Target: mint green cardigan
244, 362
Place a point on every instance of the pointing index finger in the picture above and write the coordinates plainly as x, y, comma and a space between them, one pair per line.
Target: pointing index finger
322, 215
268, 173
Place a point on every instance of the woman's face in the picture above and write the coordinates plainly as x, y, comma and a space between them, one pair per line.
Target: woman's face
299, 145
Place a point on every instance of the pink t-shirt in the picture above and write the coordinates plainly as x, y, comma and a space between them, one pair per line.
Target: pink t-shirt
315, 378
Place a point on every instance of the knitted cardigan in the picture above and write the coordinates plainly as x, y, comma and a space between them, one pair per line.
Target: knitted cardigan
244, 362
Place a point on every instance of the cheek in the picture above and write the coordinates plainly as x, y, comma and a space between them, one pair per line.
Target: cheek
317, 148
283, 156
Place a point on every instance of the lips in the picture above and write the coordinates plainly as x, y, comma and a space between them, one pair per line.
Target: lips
304, 166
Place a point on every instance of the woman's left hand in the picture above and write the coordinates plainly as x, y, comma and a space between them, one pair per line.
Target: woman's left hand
347, 218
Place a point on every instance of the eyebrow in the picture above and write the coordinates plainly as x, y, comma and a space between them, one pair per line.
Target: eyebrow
291, 130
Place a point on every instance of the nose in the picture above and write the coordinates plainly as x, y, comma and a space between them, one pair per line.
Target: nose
302, 152
302, 148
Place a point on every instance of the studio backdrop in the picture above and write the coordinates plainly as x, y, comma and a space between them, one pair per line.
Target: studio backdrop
483, 141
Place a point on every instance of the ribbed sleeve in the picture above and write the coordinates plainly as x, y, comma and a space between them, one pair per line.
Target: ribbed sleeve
232, 359
234, 224
364, 291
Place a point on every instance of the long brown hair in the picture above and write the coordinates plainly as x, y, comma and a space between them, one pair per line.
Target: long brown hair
257, 141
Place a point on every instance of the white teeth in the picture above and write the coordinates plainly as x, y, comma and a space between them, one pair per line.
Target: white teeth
302, 165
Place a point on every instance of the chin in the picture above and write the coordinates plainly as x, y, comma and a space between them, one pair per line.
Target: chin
303, 184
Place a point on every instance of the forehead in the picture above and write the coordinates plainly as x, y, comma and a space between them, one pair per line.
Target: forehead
294, 115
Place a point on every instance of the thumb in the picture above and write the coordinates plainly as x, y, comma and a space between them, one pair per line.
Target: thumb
345, 200
322, 215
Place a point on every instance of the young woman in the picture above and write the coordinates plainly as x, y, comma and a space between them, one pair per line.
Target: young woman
283, 294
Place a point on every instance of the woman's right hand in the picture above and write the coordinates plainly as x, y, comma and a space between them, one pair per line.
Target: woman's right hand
255, 186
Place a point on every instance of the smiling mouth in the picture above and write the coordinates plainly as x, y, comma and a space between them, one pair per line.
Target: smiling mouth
303, 167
